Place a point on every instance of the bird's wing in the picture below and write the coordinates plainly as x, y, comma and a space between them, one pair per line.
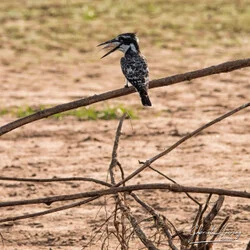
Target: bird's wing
136, 71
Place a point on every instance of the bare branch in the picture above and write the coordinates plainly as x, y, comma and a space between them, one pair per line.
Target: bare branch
183, 139
207, 221
220, 228
160, 221
118, 201
216, 69
114, 190
140, 234
172, 180
49, 211
114, 162
2, 178
198, 219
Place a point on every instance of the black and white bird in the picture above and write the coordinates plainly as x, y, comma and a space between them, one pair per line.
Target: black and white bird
133, 64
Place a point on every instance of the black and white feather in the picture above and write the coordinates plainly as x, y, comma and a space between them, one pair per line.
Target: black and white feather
134, 65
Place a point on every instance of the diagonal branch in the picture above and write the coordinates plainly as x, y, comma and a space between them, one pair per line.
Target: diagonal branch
159, 220
170, 179
141, 235
48, 211
207, 221
216, 69
57, 179
183, 139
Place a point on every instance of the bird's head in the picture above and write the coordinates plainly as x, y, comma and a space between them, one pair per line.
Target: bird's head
122, 42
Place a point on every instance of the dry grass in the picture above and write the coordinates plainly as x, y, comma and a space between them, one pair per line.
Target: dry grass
31, 27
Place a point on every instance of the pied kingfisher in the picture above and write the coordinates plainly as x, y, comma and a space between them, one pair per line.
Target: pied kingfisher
133, 64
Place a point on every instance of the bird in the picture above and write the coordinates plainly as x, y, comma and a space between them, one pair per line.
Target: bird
133, 63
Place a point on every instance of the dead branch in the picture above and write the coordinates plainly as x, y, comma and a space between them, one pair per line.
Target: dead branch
198, 219
183, 139
198, 216
170, 179
220, 228
216, 69
119, 202
114, 161
100, 228
158, 218
48, 211
115, 190
140, 234
57, 179
207, 221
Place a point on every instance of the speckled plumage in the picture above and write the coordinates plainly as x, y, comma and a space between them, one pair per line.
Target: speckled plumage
133, 64
135, 69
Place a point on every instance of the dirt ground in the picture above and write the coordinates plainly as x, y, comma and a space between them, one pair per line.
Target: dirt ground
33, 76
218, 157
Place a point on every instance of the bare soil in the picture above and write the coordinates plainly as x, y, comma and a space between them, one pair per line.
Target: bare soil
219, 157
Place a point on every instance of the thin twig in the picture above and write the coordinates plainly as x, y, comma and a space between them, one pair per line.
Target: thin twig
172, 180
216, 69
220, 228
118, 201
114, 190
207, 221
49, 211
160, 222
188, 195
57, 179
114, 160
198, 219
99, 229
183, 139
139, 232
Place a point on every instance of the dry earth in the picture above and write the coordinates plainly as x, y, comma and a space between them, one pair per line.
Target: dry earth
218, 157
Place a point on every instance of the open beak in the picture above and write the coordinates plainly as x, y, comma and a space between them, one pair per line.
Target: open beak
110, 44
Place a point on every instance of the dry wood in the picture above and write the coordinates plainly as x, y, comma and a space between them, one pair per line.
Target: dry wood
137, 229
158, 218
220, 228
119, 202
57, 179
216, 69
183, 139
48, 211
198, 219
114, 161
115, 190
207, 221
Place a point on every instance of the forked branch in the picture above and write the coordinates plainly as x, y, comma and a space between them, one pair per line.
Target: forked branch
182, 140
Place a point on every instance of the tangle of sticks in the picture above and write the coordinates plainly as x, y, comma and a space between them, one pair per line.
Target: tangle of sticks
120, 191
125, 223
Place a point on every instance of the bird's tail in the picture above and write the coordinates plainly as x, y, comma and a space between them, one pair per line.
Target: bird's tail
145, 98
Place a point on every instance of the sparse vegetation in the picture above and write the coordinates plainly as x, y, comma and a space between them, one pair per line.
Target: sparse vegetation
89, 113
57, 25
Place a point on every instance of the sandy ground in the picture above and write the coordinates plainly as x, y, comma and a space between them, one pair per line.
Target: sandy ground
219, 157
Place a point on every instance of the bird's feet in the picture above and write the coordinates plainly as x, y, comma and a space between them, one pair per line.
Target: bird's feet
126, 84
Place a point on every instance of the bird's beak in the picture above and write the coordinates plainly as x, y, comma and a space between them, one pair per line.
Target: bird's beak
110, 44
